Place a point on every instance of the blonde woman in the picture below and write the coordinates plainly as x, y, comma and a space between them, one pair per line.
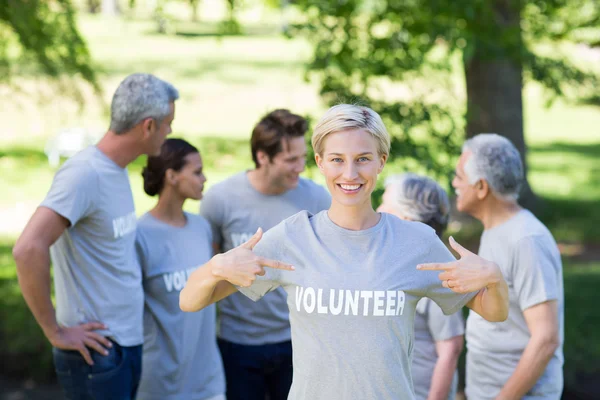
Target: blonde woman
438, 338
350, 273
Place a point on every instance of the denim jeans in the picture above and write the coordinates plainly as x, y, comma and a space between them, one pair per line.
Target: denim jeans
255, 372
112, 377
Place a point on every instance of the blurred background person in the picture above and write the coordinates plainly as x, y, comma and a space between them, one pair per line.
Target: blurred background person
522, 357
86, 226
255, 337
181, 359
438, 337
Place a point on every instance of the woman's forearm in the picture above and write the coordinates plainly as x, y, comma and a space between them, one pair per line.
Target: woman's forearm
445, 367
202, 289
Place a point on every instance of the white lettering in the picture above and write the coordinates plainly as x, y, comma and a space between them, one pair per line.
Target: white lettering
390, 303
333, 308
309, 292
168, 278
378, 303
124, 225
321, 308
179, 280
352, 302
366, 295
400, 304
299, 291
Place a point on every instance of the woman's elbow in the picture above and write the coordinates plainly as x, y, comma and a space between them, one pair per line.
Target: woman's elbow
186, 304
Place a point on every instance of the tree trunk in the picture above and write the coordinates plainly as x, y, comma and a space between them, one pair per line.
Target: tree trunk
110, 8
194, 7
494, 86
93, 6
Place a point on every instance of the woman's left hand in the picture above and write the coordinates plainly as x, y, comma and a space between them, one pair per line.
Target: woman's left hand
470, 273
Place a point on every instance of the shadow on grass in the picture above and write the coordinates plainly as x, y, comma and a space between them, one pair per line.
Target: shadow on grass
588, 150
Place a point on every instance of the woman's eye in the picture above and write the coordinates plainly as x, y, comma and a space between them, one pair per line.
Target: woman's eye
363, 159
337, 159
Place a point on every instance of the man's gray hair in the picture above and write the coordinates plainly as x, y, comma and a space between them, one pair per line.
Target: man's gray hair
495, 159
420, 198
138, 97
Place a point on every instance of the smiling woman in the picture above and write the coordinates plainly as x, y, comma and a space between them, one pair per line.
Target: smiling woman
350, 273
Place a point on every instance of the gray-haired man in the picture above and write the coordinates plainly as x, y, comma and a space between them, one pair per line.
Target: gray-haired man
520, 358
86, 225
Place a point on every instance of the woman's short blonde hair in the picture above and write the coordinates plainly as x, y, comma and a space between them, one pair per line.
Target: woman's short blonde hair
347, 117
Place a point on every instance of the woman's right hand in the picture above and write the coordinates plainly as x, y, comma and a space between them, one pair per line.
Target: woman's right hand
240, 266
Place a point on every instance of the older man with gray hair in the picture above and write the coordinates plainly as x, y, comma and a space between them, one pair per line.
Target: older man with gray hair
86, 226
520, 358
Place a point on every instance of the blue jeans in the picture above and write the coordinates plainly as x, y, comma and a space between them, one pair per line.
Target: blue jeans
112, 377
253, 372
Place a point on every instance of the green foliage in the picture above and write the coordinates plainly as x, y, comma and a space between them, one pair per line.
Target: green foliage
412, 47
42, 33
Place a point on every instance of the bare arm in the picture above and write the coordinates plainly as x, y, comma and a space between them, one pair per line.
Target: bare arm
475, 274
32, 257
542, 321
491, 302
448, 353
204, 288
215, 280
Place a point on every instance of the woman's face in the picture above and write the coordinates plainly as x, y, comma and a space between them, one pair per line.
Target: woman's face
350, 164
189, 180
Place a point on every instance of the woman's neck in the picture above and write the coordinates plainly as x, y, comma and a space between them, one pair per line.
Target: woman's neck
169, 209
355, 218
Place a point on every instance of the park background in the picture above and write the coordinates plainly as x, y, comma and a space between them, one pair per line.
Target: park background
234, 61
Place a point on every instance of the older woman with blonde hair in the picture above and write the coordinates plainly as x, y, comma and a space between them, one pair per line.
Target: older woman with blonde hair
438, 338
351, 274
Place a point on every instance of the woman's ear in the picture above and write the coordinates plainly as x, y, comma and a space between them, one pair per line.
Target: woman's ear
382, 161
319, 161
170, 177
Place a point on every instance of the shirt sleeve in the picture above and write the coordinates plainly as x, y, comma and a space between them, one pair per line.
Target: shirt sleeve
141, 252
444, 327
536, 271
449, 301
270, 246
213, 210
72, 192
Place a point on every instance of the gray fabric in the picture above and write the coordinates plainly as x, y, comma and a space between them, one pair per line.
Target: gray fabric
530, 262
181, 360
96, 275
431, 325
235, 211
352, 302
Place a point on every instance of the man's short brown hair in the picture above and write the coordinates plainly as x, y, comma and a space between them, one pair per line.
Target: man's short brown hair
272, 129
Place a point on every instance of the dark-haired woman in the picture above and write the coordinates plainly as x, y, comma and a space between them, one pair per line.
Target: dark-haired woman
181, 358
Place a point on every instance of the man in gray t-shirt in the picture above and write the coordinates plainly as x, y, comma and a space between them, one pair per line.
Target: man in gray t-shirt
254, 338
520, 358
86, 225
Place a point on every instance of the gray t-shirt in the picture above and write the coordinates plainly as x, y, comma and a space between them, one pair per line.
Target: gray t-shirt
235, 211
96, 274
431, 325
352, 302
181, 360
530, 262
